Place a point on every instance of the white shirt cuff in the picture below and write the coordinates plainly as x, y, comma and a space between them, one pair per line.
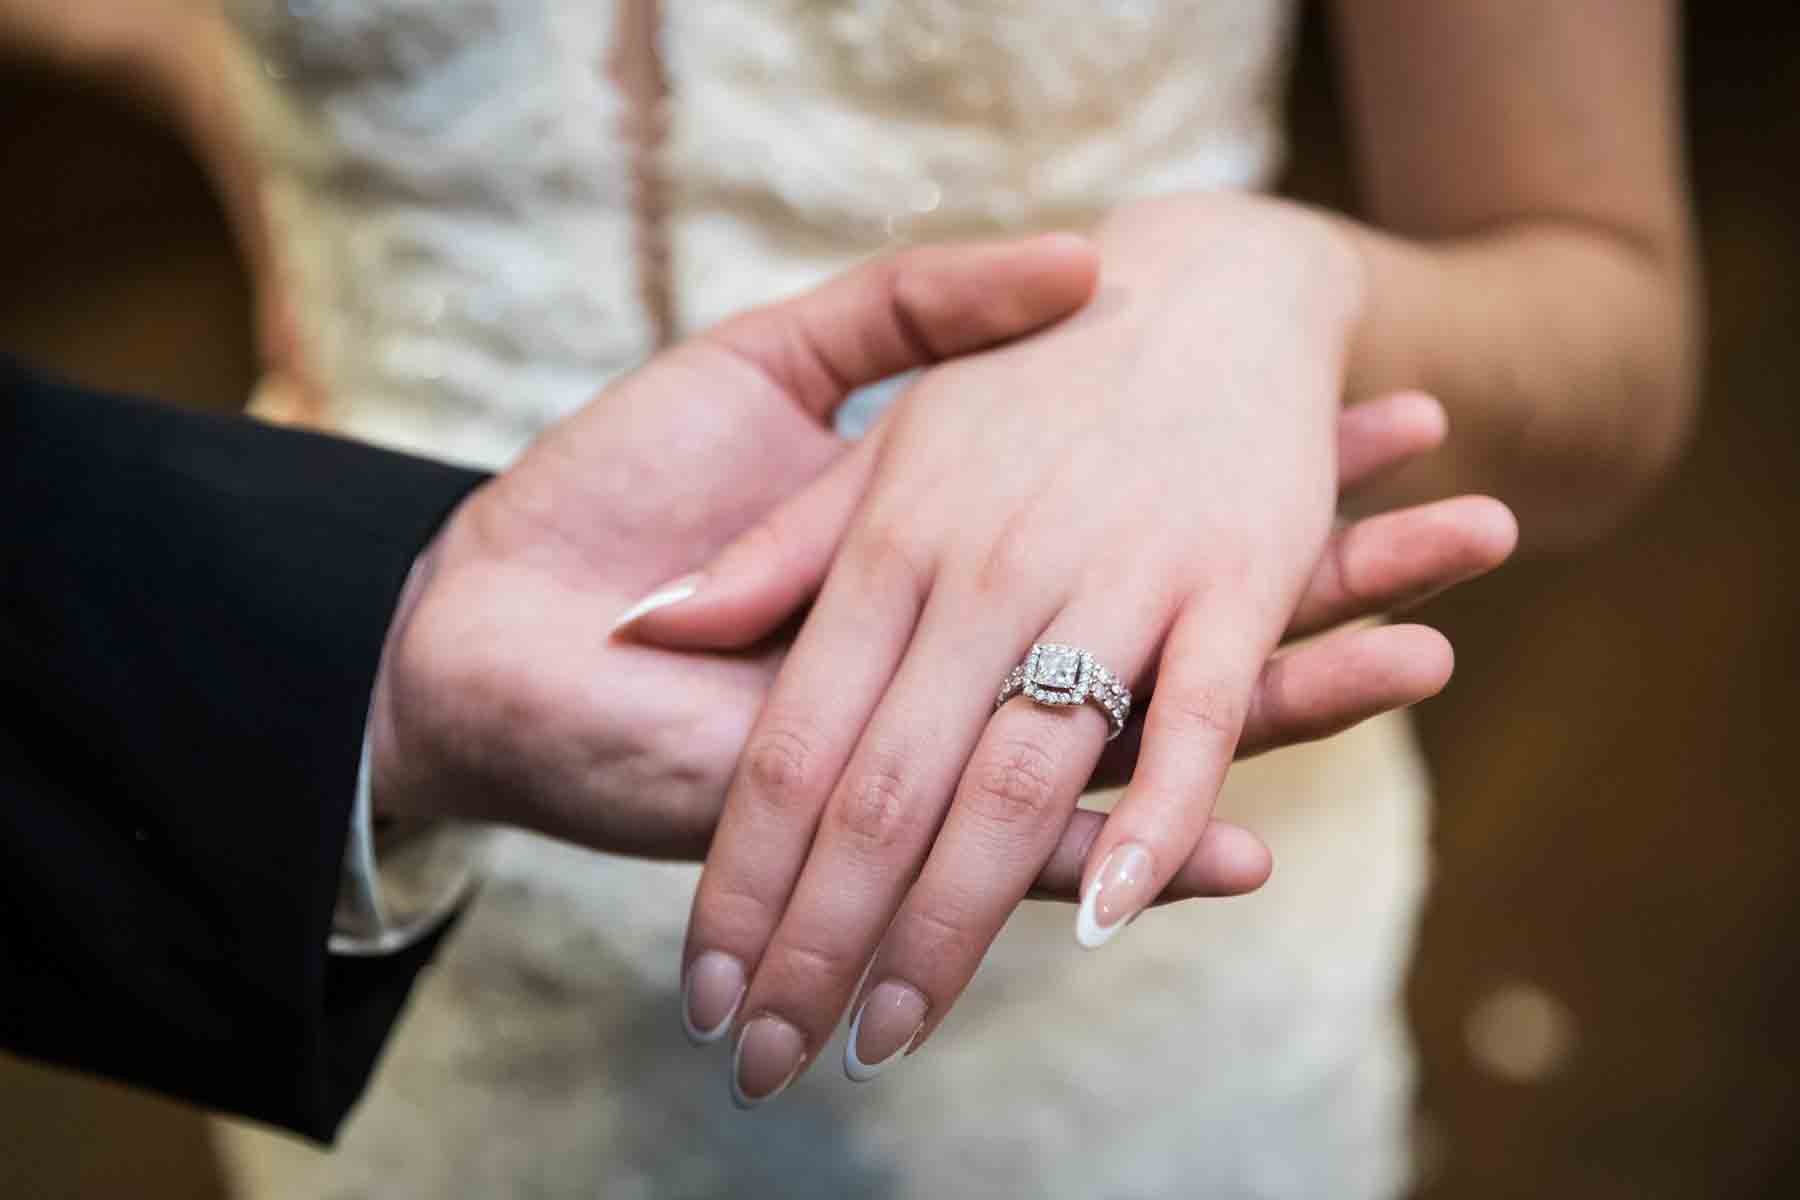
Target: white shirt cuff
393, 893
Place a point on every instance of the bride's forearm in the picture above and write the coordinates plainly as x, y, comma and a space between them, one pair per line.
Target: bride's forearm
1566, 354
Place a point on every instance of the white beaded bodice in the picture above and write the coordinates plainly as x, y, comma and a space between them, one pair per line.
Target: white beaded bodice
450, 204
810, 130
451, 187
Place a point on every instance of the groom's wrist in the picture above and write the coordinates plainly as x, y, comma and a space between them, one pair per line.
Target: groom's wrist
393, 795
407, 866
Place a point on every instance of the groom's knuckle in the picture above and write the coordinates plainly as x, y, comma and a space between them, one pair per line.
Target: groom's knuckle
920, 302
1344, 580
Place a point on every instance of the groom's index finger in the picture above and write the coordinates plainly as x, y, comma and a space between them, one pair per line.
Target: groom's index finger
910, 309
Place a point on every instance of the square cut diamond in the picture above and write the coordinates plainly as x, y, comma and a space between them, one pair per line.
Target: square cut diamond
1057, 667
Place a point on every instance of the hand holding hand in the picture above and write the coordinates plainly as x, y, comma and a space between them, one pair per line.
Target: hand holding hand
1152, 480
502, 696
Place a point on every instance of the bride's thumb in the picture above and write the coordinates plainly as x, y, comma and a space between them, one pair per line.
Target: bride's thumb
762, 577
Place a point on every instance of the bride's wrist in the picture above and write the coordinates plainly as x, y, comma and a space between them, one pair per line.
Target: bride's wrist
1285, 251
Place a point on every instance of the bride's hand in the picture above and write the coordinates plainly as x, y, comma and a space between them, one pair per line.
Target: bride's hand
1152, 481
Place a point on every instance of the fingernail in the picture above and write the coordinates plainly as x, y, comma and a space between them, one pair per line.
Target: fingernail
714, 989
672, 592
1120, 890
769, 1055
883, 1029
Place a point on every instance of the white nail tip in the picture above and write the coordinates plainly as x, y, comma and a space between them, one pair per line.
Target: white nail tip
703, 1037
662, 597
737, 1094
1088, 931
860, 1071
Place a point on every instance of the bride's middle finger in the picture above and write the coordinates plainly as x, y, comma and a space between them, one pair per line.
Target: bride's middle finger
877, 819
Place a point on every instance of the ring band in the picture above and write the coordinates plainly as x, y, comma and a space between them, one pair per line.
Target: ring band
1058, 675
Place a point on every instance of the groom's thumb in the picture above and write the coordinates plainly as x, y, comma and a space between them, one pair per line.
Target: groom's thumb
910, 309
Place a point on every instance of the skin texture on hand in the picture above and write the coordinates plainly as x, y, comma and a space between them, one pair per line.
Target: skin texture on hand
1152, 480
504, 696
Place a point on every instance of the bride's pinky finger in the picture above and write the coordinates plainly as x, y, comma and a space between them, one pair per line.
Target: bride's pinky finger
1378, 564
1324, 687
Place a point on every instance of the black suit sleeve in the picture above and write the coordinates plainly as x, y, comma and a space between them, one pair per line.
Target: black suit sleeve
191, 613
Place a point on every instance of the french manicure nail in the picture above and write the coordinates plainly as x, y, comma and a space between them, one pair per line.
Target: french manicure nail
1120, 890
883, 1029
710, 998
672, 592
769, 1055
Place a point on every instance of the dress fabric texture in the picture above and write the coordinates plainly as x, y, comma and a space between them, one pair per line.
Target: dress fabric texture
453, 200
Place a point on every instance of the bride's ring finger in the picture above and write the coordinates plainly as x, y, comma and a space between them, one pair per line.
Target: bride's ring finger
875, 829
1023, 780
1058, 676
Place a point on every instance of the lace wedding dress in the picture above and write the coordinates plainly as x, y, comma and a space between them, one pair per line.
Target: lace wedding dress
452, 195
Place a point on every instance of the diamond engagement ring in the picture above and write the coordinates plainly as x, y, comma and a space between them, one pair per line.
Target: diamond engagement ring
1063, 675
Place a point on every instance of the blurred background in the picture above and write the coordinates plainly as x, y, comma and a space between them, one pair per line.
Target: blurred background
1608, 989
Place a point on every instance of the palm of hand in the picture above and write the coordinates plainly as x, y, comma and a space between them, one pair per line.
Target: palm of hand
610, 743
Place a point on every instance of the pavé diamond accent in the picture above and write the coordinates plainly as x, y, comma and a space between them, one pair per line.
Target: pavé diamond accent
1065, 676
